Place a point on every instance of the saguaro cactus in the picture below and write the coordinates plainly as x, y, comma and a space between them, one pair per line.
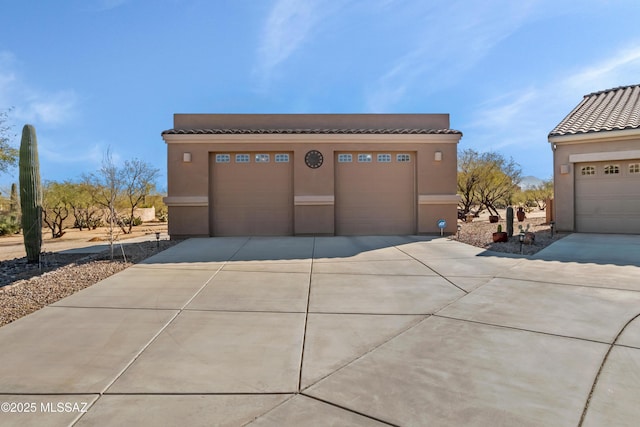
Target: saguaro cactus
13, 201
30, 193
510, 221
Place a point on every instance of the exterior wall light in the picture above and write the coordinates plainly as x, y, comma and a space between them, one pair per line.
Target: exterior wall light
186, 157
438, 156
552, 224
564, 169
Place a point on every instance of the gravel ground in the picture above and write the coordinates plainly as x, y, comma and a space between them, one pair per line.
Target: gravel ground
480, 233
26, 288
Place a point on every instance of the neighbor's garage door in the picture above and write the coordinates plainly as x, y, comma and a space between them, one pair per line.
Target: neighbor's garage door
252, 194
375, 193
607, 197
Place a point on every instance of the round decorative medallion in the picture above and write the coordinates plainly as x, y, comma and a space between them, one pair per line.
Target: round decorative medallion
313, 159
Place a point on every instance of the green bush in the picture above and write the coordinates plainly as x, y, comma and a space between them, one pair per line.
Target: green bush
136, 221
9, 225
90, 224
163, 216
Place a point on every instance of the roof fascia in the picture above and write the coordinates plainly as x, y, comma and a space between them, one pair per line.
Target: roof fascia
312, 138
580, 138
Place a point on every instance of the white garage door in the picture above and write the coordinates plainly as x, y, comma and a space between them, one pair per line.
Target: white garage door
375, 193
607, 197
252, 194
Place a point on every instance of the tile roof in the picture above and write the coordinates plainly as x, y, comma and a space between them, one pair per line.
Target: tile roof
312, 131
607, 110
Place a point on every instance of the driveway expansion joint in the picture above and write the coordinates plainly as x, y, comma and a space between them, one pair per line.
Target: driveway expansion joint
477, 322
602, 365
306, 316
344, 408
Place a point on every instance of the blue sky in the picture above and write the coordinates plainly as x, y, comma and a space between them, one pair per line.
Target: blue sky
94, 74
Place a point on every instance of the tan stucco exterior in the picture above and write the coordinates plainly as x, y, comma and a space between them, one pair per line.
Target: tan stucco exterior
571, 153
313, 198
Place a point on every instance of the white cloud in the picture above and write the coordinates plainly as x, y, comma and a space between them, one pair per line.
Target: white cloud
31, 104
454, 37
622, 68
524, 117
7, 77
51, 109
59, 153
287, 27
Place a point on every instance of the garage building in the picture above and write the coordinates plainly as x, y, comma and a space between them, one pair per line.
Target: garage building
596, 155
311, 174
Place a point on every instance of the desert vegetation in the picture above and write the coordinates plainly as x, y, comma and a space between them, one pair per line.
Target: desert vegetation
490, 182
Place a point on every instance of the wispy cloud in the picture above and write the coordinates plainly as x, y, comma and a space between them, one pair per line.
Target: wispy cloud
57, 152
291, 24
525, 116
7, 77
49, 108
287, 27
623, 67
455, 36
31, 104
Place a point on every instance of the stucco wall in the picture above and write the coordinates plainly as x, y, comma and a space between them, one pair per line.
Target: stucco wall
310, 121
564, 183
189, 186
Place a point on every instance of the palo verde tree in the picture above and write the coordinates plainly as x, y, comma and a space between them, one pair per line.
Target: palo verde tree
138, 182
56, 206
107, 184
486, 181
85, 212
540, 193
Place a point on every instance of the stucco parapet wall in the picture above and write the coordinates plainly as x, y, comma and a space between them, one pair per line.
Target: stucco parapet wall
186, 201
311, 138
439, 199
314, 200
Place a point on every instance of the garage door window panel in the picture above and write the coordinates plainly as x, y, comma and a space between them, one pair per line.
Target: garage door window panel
223, 158
365, 158
403, 158
242, 158
345, 158
634, 168
263, 158
588, 170
384, 158
612, 169
282, 158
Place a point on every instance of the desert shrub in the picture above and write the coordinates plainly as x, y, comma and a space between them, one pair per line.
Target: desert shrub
163, 216
9, 225
124, 220
89, 224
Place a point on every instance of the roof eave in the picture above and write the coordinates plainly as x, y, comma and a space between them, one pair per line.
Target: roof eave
595, 136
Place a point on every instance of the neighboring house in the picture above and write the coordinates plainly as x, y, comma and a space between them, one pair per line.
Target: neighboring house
311, 174
596, 164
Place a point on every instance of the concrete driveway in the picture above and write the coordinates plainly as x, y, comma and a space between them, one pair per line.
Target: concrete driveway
366, 331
